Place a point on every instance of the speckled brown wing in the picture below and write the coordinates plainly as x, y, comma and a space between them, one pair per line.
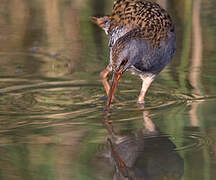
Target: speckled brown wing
151, 21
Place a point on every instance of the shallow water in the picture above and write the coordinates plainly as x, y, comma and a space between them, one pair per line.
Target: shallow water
52, 119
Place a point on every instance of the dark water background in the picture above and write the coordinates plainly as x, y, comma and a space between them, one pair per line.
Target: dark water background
52, 120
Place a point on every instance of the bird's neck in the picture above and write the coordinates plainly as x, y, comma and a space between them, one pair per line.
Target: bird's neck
115, 34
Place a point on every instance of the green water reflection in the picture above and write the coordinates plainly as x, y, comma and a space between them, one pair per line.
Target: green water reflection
52, 101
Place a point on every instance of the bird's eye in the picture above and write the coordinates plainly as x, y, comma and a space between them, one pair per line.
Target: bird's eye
124, 61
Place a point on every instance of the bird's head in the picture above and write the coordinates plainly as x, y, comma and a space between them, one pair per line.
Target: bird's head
120, 61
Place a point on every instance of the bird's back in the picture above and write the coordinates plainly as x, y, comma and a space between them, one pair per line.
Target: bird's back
150, 21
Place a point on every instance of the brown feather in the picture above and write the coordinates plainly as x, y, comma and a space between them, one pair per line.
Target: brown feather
151, 21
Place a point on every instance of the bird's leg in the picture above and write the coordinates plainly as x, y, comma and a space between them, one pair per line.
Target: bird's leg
104, 78
146, 82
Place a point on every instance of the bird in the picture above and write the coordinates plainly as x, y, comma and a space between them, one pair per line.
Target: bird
142, 40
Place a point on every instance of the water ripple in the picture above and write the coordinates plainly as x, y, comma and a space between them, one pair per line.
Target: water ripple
190, 142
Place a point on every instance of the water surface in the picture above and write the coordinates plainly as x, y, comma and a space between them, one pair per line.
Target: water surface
52, 119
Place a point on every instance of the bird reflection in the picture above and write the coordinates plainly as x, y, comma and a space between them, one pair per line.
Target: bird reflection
146, 154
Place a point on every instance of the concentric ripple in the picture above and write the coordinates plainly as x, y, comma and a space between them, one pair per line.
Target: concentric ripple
32, 98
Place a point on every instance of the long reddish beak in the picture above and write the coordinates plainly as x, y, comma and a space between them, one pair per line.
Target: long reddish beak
115, 80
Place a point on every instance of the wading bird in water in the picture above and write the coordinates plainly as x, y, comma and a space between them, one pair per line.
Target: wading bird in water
142, 40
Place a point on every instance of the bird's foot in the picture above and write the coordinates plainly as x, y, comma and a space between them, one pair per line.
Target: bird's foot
141, 102
115, 98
